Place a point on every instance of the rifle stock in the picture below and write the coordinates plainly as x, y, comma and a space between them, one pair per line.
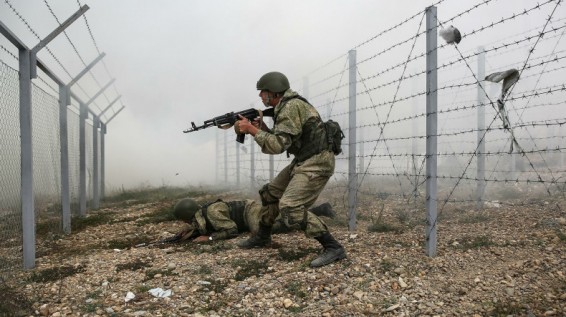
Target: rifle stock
226, 121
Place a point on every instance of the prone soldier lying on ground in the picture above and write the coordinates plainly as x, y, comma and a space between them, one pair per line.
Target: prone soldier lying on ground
221, 220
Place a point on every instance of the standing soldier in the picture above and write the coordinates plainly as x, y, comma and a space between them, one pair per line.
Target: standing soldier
299, 130
221, 220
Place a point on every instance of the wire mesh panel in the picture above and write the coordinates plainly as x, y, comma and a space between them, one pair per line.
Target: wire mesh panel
10, 181
89, 163
74, 160
46, 162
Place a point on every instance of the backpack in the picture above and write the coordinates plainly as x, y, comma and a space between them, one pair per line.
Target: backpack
334, 136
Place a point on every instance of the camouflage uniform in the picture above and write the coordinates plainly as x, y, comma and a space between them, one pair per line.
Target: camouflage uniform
299, 184
224, 220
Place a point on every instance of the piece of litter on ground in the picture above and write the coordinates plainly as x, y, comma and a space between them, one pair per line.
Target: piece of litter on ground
159, 292
129, 297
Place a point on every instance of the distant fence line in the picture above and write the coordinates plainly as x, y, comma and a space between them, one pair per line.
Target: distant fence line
52, 145
421, 121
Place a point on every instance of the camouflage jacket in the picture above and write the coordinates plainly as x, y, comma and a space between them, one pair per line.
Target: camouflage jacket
219, 221
287, 132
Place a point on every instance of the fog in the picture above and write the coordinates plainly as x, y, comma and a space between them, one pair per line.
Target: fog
182, 61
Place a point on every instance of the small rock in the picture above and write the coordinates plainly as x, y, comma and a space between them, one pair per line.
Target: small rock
402, 283
391, 308
359, 295
287, 303
399, 270
44, 310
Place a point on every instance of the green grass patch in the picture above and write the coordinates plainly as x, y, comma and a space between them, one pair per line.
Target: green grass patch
561, 235
92, 220
296, 288
204, 270
162, 214
13, 303
55, 274
151, 194
384, 227
217, 286
248, 268
135, 265
474, 217
387, 266
467, 242
46, 227
501, 309
150, 274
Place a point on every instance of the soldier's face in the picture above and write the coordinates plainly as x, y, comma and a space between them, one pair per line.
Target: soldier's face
266, 98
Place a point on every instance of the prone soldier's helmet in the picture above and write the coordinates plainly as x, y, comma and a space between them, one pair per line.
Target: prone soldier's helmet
274, 82
185, 209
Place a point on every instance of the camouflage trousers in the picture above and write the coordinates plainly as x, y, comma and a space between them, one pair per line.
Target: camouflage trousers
294, 190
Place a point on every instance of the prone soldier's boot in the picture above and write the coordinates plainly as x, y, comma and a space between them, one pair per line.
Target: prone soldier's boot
333, 251
261, 239
324, 210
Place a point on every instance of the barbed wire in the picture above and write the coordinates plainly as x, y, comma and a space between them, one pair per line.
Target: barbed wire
433, 225
98, 51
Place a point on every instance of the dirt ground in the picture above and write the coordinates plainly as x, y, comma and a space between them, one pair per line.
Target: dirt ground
506, 260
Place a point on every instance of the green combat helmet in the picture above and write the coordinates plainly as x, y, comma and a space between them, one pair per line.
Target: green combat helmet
274, 82
185, 209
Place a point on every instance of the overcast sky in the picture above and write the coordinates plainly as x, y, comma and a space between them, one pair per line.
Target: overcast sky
182, 61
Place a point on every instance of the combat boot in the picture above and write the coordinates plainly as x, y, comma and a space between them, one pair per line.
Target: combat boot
333, 251
325, 210
261, 239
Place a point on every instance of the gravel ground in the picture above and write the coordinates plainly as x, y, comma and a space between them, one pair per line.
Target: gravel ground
507, 260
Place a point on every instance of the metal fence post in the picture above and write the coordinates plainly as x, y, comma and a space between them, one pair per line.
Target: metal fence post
481, 131
431, 129
64, 95
27, 198
102, 160
95, 168
83, 114
352, 174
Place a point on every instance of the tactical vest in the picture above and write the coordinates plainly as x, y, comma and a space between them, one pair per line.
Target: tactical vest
313, 138
236, 211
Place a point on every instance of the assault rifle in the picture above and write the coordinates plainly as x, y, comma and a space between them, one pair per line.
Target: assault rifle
226, 121
173, 239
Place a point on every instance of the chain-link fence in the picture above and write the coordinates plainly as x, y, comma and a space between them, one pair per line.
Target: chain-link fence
10, 183
50, 143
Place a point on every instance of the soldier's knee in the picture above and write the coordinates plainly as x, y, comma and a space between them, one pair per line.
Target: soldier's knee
295, 217
267, 198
